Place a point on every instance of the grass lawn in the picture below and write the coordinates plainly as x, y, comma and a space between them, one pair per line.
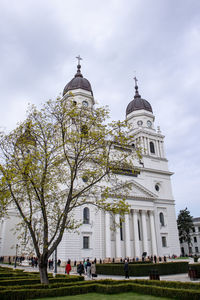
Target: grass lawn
94, 296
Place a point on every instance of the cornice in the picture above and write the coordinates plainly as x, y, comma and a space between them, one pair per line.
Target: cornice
157, 171
155, 157
148, 132
165, 201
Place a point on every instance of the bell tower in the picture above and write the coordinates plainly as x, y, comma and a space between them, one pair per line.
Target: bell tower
140, 115
79, 89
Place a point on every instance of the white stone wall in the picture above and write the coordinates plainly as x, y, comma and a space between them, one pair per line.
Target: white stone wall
194, 245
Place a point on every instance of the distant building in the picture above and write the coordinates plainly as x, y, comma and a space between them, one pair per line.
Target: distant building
151, 226
194, 247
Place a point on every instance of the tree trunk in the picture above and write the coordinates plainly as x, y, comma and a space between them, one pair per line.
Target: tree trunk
43, 272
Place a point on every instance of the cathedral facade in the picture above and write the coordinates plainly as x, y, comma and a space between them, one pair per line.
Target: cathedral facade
150, 227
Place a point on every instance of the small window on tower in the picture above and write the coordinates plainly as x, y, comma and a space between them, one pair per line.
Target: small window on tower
86, 215
162, 220
152, 148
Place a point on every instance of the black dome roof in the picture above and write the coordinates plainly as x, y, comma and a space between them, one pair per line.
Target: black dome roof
78, 82
138, 103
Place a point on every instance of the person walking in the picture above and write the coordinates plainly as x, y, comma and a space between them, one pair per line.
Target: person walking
80, 268
126, 269
93, 270
68, 267
88, 268
85, 266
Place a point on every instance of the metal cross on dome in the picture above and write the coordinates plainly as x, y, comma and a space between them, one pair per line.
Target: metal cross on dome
79, 59
136, 80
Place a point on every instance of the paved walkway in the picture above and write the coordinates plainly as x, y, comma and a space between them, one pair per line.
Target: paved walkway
177, 277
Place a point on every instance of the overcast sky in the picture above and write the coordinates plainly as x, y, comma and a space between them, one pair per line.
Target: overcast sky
157, 39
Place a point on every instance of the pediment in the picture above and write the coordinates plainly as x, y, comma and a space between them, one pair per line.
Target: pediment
140, 191
137, 191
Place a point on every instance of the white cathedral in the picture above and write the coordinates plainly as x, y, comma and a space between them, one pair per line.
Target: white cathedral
150, 226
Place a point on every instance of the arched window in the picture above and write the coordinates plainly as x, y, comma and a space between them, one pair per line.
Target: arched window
162, 221
152, 148
86, 215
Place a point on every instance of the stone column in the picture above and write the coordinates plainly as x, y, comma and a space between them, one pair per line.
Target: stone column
136, 235
148, 150
153, 233
107, 235
127, 236
160, 154
144, 232
162, 149
145, 145
157, 148
118, 238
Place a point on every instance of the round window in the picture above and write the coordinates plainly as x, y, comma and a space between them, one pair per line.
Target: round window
139, 123
85, 103
85, 179
157, 187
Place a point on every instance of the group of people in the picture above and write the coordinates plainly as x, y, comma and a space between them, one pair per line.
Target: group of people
86, 268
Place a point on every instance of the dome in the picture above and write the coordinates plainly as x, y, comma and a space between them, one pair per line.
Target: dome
78, 82
138, 103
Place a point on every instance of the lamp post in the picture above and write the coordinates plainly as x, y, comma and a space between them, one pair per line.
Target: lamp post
16, 256
55, 262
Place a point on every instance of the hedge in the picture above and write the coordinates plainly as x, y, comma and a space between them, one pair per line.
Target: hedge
133, 262
170, 284
143, 269
99, 287
31, 281
44, 286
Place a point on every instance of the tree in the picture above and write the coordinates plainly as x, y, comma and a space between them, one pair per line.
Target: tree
58, 159
185, 225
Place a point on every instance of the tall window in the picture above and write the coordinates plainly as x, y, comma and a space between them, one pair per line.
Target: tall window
121, 230
86, 242
86, 215
152, 148
196, 249
195, 239
162, 221
139, 233
164, 241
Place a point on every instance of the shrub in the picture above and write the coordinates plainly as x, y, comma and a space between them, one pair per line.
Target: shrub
104, 286
143, 269
31, 281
